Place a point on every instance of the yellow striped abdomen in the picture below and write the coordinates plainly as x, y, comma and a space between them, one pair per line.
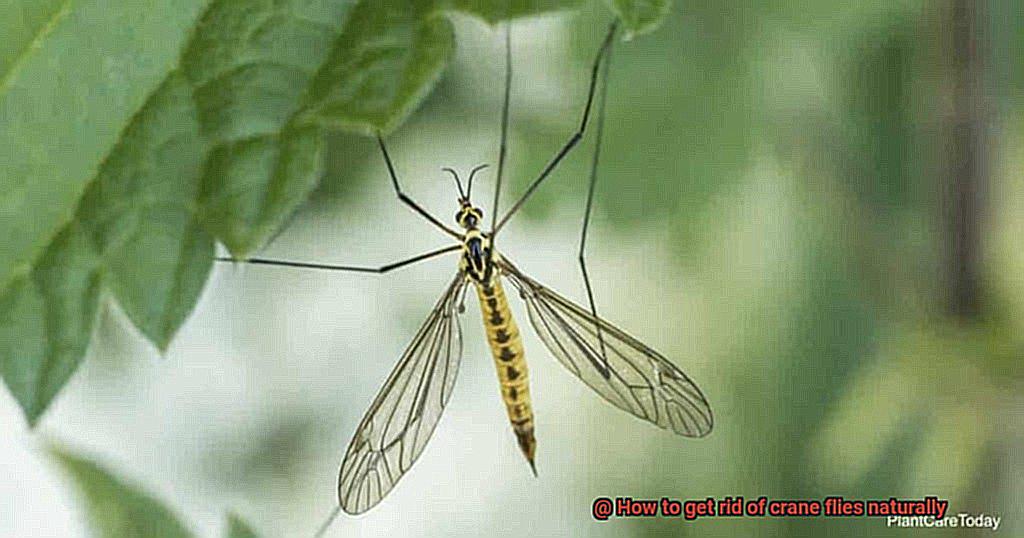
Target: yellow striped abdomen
507, 349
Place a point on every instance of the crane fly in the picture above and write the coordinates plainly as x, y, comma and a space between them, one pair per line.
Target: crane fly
621, 369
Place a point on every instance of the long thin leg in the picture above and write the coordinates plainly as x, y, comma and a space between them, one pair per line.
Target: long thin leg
327, 522
409, 201
573, 140
502, 148
352, 268
595, 161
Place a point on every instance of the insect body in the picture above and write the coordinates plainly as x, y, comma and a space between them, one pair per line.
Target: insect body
503, 337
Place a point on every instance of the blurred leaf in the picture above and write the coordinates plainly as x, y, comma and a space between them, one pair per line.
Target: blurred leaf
216, 151
847, 447
640, 16
238, 528
679, 133
880, 130
921, 381
273, 453
1006, 69
953, 450
116, 509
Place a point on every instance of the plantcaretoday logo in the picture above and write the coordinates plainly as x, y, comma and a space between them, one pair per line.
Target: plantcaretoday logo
961, 520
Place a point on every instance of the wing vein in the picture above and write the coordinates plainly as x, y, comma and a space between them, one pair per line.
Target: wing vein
635, 378
404, 414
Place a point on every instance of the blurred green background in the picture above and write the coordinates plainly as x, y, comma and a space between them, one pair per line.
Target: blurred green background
813, 208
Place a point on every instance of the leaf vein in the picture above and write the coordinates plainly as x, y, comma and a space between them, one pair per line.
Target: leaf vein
44, 31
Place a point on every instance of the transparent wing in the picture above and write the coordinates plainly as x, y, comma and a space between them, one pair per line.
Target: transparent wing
404, 414
635, 378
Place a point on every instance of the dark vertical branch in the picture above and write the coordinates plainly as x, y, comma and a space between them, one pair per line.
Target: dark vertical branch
968, 158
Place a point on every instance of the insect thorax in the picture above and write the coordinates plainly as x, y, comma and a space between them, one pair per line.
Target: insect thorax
477, 257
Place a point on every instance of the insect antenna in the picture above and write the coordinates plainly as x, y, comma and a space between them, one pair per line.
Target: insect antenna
469, 187
458, 183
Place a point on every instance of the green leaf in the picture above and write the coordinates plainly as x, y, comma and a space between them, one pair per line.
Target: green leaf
238, 528
493, 11
116, 509
22, 23
390, 55
252, 185
135, 233
136, 136
250, 64
77, 75
142, 217
46, 318
74, 77
640, 16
